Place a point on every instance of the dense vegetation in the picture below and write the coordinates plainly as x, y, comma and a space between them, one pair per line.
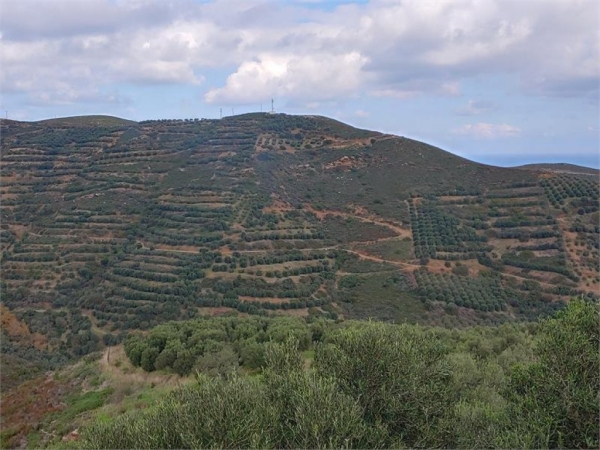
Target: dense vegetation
217, 345
112, 227
373, 385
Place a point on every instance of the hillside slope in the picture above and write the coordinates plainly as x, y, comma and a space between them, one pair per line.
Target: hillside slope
572, 169
110, 225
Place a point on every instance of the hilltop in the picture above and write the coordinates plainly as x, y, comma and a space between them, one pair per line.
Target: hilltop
110, 225
86, 121
572, 169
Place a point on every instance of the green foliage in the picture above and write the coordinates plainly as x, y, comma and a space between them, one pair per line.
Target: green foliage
289, 409
484, 293
377, 385
558, 396
143, 223
390, 249
312, 411
215, 346
213, 414
437, 231
382, 296
218, 363
398, 375
85, 402
352, 230
525, 259
562, 187
349, 282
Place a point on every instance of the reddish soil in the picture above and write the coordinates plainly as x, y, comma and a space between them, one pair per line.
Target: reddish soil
344, 143
19, 331
18, 230
25, 406
346, 163
277, 206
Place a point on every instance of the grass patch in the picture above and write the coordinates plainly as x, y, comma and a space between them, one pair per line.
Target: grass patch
392, 249
382, 297
349, 262
87, 401
6, 435
34, 440
353, 230
309, 354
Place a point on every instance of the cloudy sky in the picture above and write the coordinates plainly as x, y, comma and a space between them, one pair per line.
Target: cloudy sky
502, 82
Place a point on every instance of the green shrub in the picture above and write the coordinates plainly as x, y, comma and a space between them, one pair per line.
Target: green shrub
557, 398
375, 385
398, 375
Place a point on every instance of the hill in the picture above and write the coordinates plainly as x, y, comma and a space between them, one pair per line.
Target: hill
111, 225
562, 168
86, 121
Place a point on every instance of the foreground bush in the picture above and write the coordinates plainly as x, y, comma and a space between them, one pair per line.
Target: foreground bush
399, 375
557, 399
290, 408
386, 386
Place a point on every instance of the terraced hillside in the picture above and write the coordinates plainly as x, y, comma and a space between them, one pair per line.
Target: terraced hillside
110, 225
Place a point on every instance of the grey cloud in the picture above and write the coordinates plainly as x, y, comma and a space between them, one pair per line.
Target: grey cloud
299, 51
27, 20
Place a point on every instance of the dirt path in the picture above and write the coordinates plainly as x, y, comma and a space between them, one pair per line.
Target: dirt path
342, 273
116, 365
363, 216
402, 264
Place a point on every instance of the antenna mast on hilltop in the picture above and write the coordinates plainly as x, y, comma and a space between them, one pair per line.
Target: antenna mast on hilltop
272, 107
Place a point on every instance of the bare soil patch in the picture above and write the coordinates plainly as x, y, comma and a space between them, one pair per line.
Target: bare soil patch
178, 248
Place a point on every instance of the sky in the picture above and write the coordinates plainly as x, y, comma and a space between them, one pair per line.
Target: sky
503, 82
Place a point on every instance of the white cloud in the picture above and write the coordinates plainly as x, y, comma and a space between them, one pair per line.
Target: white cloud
488, 130
307, 77
305, 53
